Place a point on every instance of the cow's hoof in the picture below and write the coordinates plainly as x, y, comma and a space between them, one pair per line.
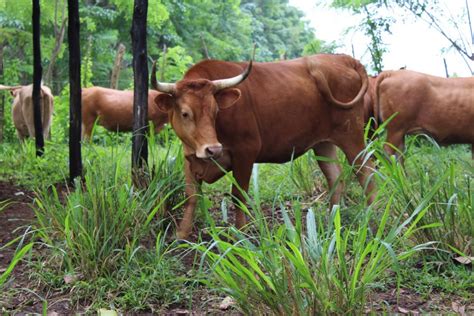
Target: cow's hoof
182, 236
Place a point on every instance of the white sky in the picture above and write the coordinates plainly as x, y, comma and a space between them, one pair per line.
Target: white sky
412, 44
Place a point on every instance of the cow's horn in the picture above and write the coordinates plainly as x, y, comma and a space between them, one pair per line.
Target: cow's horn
161, 86
232, 82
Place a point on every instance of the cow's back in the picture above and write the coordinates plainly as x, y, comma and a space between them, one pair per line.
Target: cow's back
281, 113
442, 107
113, 107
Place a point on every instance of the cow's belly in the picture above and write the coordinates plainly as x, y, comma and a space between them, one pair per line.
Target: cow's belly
281, 153
448, 126
113, 122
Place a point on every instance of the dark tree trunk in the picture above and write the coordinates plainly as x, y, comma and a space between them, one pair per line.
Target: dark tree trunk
140, 98
37, 74
75, 117
2, 97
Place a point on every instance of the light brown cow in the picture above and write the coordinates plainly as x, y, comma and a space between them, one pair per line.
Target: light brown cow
22, 110
281, 111
440, 107
114, 108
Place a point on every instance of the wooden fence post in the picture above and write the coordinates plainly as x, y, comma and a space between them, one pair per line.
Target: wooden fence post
2, 97
37, 74
75, 117
140, 96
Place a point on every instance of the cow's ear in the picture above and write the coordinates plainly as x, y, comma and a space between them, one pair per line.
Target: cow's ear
164, 102
14, 92
227, 97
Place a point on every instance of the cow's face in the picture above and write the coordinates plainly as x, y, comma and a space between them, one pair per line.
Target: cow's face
193, 106
193, 111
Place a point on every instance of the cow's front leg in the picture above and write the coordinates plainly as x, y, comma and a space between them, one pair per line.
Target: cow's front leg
192, 185
242, 171
331, 170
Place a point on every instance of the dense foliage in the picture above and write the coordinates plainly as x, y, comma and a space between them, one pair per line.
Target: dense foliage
191, 30
226, 29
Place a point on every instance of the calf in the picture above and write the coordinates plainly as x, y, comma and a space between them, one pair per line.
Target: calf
114, 108
22, 110
440, 107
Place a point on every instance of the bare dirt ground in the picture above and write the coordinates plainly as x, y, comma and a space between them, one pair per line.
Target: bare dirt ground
23, 295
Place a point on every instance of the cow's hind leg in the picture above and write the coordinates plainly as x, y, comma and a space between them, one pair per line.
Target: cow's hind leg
330, 169
395, 144
352, 148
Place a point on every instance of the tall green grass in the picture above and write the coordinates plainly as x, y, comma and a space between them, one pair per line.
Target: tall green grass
451, 211
107, 237
310, 265
317, 264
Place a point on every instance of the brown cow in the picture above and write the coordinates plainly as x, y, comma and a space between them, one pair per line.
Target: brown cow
281, 111
114, 108
22, 110
440, 107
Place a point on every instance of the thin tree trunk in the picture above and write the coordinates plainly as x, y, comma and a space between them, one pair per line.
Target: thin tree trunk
75, 117
163, 64
446, 67
55, 53
59, 35
37, 74
114, 78
470, 23
140, 97
204, 47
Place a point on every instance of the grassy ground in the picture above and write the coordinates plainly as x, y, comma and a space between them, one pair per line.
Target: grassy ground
110, 245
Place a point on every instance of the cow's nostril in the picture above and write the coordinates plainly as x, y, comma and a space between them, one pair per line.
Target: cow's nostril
213, 151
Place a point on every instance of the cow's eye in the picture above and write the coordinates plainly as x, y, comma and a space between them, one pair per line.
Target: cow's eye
185, 114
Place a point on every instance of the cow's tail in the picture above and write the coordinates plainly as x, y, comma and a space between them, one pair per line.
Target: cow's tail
377, 110
327, 93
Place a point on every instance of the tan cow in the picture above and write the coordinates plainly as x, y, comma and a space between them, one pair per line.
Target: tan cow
440, 107
114, 108
22, 110
280, 112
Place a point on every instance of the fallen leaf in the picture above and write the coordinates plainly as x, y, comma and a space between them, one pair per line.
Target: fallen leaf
106, 312
403, 310
464, 260
180, 312
226, 303
70, 278
458, 308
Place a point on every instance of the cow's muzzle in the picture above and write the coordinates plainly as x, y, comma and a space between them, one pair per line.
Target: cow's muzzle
210, 151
